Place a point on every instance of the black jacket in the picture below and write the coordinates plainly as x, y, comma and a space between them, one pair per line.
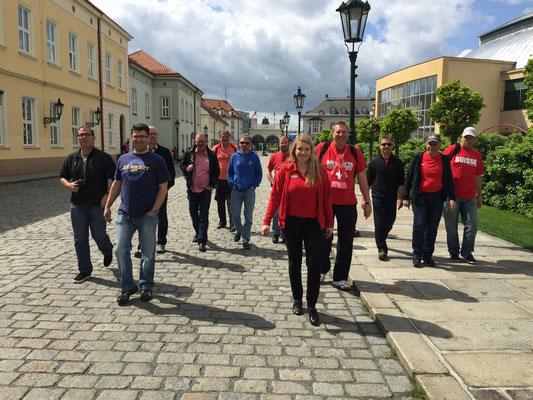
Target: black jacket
214, 169
169, 161
385, 178
100, 168
414, 176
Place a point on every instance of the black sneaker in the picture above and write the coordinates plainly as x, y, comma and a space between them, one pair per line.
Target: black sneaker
201, 247
382, 256
137, 254
282, 239
146, 294
275, 238
297, 307
221, 225
81, 277
107, 259
455, 257
195, 239
237, 237
417, 262
428, 261
124, 296
313, 316
470, 259
246, 245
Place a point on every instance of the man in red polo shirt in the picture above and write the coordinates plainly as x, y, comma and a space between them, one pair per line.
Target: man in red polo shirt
342, 168
224, 150
467, 169
274, 163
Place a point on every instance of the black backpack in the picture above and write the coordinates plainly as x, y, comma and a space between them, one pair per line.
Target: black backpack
455, 151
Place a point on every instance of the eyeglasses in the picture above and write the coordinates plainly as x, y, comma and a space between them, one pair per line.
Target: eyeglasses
84, 134
244, 142
139, 136
153, 133
386, 144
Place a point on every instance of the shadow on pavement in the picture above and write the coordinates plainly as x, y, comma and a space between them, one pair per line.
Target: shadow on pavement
182, 258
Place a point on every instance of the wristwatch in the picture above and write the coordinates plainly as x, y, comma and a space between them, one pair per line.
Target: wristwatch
366, 202
156, 210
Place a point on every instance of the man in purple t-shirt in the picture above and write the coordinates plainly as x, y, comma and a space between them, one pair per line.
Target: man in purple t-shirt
141, 178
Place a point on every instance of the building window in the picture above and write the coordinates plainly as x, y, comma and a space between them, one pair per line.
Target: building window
134, 101
165, 107
3, 129
24, 29
120, 74
147, 105
515, 95
73, 52
321, 112
344, 110
191, 115
186, 112
75, 125
90, 61
182, 110
54, 128
51, 41
110, 129
28, 120
108, 68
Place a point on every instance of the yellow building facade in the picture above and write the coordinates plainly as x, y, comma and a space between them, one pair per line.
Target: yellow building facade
58, 49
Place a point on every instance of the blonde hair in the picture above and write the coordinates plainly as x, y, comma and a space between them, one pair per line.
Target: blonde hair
314, 174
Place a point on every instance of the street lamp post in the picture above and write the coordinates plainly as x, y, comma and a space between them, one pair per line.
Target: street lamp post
286, 119
354, 14
177, 123
299, 98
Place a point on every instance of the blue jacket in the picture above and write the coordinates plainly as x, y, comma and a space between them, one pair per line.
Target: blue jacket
244, 171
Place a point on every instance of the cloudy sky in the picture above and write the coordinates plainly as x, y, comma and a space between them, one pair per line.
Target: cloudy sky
260, 52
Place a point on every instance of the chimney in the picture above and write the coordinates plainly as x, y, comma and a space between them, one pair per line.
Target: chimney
326, 95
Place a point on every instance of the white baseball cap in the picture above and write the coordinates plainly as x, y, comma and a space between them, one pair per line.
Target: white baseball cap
470, 131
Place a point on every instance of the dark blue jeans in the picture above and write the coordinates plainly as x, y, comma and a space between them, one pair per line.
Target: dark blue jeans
83, 218
199, 211
426, 217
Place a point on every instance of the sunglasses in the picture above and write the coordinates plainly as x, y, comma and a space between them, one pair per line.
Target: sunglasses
244, 142
386, 144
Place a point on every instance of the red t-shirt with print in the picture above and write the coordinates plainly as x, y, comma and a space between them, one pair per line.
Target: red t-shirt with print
465, 166
342, 169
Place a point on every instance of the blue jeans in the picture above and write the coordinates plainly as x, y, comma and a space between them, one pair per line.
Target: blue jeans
125, 229
275, 224
83, 218
468, 210
237, 199
199, 211
426, 217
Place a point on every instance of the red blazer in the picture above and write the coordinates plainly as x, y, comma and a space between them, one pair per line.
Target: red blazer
279, 197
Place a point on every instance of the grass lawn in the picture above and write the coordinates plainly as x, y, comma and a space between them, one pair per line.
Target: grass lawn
506, 225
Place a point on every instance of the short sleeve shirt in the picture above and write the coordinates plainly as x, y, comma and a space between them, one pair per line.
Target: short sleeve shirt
140, 176
431, 173
276, 160
223, 157
465, 166
342, 169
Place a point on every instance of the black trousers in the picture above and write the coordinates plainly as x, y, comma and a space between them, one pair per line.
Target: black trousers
384, 211
306, 230
223, 198
162, 226
346, 216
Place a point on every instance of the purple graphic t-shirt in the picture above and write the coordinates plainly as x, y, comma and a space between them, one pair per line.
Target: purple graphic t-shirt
140, 176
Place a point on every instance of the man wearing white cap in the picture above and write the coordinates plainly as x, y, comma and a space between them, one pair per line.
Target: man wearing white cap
467, 169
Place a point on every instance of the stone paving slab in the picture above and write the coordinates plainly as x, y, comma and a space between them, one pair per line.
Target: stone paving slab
220, 325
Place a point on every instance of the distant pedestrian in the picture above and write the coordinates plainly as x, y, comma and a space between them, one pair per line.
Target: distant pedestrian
141, 179
343, 162
244, 176
385, 175
86, 173
126, 147
201, 170
428, 184
301, 193
175, 153
274, 164
224, 150
467, 170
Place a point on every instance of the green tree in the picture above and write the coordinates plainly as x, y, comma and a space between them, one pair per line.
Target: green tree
323, 136
399, 124
368, 132
528, 81
456, 108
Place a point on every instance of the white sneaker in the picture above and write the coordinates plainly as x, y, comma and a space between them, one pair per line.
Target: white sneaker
322, 277
342, 285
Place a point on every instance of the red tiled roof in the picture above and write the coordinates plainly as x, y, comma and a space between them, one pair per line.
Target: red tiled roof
150, 64
214, 104
214, 115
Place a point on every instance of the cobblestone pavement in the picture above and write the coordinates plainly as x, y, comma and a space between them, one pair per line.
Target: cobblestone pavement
220, 325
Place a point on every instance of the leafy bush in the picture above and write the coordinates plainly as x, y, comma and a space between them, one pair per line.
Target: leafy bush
509, 175
323, 136
488, 142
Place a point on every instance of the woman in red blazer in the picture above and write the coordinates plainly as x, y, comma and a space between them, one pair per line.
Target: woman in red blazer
301, 190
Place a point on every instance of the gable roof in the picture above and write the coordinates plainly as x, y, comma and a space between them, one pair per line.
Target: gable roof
221, 105
214, 115
150, 64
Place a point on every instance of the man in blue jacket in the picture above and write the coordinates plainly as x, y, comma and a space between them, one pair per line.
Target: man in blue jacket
244, 175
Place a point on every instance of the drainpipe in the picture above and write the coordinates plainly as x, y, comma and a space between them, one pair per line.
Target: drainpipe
100, 86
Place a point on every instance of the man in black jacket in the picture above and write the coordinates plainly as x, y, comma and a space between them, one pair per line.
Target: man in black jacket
162, 226
200, 167
385, 175
86, 173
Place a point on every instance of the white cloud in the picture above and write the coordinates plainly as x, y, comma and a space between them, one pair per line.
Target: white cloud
261, 52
